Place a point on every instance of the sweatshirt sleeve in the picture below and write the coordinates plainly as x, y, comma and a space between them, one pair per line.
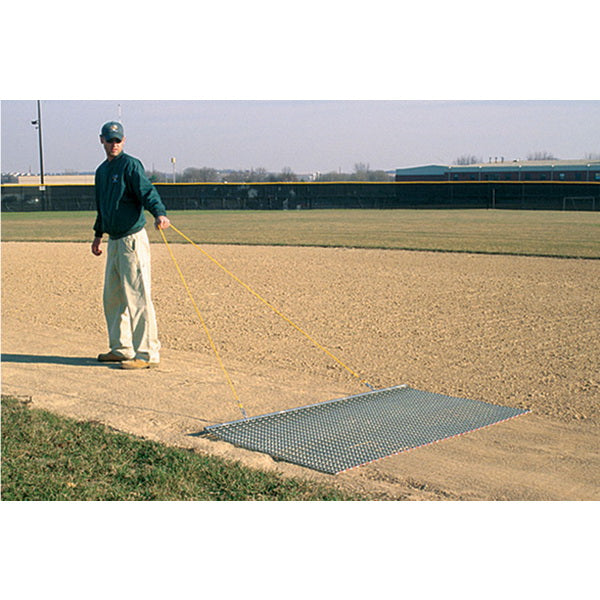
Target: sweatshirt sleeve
98, 230
145, 191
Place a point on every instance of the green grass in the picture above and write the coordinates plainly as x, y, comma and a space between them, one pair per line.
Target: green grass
536, 233
47, 457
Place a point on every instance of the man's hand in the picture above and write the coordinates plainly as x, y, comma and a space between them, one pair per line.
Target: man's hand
96, 246
162, 222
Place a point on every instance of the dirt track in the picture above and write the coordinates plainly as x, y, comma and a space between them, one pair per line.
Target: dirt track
507, 330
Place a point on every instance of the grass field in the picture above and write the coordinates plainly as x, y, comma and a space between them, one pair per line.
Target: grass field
47, 457
536, 233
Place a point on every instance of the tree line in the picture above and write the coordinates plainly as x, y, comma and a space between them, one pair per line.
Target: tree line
362, 172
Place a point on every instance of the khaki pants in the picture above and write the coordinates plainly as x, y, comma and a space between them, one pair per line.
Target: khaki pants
128, 307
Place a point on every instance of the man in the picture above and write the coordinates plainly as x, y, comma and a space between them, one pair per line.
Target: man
122, 193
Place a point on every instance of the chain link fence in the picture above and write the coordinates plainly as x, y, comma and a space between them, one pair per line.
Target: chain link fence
301, 196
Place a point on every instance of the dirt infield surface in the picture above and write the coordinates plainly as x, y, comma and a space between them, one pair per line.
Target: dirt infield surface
515, 331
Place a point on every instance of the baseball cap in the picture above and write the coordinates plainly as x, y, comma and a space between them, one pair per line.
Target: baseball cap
111, 130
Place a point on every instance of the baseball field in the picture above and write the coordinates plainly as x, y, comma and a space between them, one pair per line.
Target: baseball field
498, 306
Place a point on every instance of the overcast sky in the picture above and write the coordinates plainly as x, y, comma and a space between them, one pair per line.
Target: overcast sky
306, 136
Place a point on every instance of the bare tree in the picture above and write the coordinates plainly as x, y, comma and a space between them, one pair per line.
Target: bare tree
467, 159
542, 155
236, 176
333, 176
287, 175
251, 175
361, 173
192, 174
380, 175
260, 174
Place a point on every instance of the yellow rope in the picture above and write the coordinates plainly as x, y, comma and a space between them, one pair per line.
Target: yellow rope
213, 346
275, 310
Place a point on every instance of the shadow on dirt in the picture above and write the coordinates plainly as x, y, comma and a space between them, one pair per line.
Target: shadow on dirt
77, 361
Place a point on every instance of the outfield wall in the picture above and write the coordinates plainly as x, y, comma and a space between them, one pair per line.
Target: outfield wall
548, 195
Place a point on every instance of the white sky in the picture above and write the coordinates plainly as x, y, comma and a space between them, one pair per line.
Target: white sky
306, 136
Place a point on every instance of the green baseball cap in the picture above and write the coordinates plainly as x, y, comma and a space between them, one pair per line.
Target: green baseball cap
112, 130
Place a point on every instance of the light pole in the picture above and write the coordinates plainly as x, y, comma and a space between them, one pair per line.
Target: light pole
173, 161
38, 125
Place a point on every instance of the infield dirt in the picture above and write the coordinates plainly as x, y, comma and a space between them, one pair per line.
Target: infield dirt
514, 331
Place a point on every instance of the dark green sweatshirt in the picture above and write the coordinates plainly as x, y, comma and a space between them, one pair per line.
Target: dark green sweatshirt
122, 193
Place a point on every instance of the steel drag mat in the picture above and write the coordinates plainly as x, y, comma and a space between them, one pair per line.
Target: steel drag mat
340, 434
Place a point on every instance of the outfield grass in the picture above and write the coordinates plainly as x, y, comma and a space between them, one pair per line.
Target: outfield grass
538, 233
47, 457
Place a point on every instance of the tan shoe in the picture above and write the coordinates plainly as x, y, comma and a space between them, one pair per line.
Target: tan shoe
110, 357
138, 363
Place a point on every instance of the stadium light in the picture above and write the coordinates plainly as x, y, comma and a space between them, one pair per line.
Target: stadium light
38, 125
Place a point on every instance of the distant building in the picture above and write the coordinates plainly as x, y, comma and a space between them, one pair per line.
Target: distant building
84, 179
516, 170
